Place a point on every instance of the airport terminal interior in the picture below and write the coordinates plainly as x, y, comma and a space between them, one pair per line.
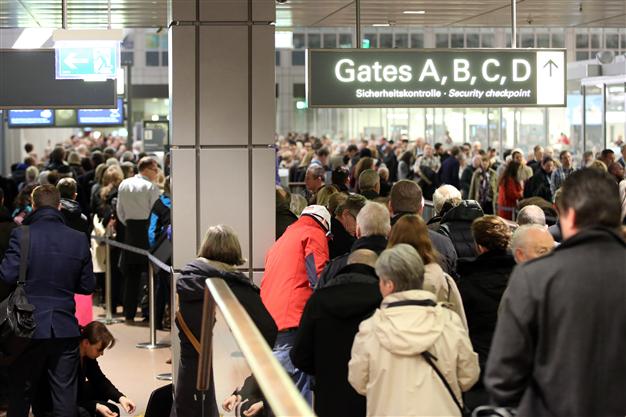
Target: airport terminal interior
312, 207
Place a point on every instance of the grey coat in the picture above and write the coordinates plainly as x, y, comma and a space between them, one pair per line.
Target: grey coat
558, 348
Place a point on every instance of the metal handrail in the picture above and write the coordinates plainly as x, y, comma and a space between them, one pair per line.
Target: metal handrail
277, 387
108, 319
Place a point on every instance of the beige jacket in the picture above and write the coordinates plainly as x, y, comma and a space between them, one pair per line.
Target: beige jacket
387, 366
444, 287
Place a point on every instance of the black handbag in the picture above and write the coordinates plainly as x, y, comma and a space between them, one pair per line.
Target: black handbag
17, 322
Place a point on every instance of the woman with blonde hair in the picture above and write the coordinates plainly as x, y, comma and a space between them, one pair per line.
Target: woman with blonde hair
218, 258
412, 230
323, 195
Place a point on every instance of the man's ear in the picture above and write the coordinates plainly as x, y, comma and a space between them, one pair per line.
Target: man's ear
358, 231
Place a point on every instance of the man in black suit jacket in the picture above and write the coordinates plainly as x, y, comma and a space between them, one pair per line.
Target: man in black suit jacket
59, 266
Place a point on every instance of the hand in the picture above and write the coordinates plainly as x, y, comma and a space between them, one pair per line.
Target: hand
127, 404
254, 409
105, 411
231, 402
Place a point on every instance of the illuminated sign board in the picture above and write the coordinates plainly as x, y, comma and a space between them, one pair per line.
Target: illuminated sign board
31, 118
436, 77
102, 117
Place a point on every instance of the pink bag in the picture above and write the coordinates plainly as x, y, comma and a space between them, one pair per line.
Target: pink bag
84, 309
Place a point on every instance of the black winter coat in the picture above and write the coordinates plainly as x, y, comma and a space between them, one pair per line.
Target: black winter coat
74, 216
284, 219
539, 186
374, 243
190, 288
6, 226
456, 224
341, 241
94, 386
559, 344
482, 283
324, 340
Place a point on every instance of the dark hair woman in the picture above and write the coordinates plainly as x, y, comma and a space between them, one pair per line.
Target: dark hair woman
482, 283
510, 189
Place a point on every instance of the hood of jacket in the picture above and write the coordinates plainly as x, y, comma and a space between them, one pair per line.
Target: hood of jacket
467, 211
348, 289
190, 284
44, 214
71, 208
374, 243
409, 330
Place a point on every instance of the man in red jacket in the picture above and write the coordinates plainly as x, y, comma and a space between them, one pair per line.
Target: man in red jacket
292, 268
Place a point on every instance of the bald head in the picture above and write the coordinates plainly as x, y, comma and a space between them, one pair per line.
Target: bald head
531, 214
363, 256
531, 241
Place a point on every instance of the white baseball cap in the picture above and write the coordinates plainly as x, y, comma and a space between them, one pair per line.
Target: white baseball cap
320, 213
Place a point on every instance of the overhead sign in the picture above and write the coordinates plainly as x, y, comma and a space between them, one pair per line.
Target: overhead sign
102, 117
436, 77
31, 118
27, 81
87, 62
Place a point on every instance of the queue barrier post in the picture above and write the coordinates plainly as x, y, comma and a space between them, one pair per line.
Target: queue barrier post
152, 344
108, 302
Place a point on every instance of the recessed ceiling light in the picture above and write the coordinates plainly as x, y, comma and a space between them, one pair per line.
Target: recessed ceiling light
414, 12
381, 25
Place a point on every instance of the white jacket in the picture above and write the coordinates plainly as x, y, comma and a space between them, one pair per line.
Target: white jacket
388, 368
444, 287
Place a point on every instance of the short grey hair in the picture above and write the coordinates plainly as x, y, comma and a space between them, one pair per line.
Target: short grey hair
368, 180
316, 170
363, 256
531, 214
518, 241
443, 194
374, 220
403, 266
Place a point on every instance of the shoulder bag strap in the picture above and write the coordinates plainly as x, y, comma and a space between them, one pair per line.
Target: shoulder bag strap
24, 250
183, 326
428, 357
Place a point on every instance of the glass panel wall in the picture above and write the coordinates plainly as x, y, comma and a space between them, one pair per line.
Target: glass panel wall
532, 129
615, 115
453, 120
594, 141
509, 128
476, 126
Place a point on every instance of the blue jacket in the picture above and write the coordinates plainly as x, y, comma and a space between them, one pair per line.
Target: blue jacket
59, 266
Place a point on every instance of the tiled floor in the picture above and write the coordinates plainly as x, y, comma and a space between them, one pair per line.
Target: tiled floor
134, 370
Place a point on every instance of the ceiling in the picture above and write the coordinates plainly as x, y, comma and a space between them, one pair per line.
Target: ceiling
462, 13
324, 13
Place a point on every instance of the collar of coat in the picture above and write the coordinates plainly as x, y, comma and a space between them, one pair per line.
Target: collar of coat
354, 274
594, 233
44, 214
375, 243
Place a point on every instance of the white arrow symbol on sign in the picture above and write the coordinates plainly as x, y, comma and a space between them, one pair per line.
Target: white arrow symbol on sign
71, 60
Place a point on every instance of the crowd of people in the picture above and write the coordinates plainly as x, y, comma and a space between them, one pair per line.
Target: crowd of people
50, 207
374, 310
406, 278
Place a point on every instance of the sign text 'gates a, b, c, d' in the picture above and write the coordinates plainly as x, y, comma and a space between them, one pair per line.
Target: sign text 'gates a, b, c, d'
432, 77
